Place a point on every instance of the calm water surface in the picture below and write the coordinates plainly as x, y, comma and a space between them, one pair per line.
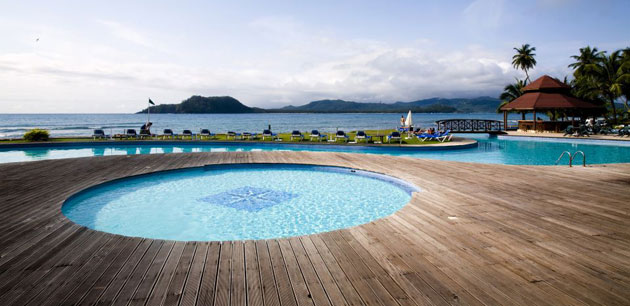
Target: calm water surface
61, 125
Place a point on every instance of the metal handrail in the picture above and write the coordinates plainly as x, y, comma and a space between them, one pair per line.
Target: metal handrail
583, 158
570, 159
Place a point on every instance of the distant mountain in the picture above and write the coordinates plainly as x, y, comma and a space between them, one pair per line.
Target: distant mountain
229, 105
433, 105
205, 105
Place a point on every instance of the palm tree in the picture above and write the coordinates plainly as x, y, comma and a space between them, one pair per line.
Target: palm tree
524, 59
586, 61
609, 76
625, 67
511, 92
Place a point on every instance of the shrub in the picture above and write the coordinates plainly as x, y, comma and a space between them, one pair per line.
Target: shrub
36, 135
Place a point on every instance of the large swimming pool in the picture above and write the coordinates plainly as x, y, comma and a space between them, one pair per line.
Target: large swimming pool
490, 149
238, 202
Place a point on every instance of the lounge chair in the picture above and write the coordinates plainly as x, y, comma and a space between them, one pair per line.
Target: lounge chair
187, 133
99, 134
582, 131
232, 134
442, 137
318, 135
569, 130
248, 135
395, 136
296, 134
625, 131
342, 135
131, 133
268, 133
361, 135
145, 134
167, 133
206, 133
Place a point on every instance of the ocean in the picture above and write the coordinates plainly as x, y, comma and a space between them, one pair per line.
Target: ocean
68, 125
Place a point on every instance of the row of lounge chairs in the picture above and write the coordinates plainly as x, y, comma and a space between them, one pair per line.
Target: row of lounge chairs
439, 136
296, 134
583, 130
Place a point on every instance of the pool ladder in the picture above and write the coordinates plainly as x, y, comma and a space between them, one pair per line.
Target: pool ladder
571, 157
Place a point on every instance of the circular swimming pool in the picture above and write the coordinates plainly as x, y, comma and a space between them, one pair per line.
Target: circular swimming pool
238, 202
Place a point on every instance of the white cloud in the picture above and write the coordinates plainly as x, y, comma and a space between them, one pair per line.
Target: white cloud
295, 66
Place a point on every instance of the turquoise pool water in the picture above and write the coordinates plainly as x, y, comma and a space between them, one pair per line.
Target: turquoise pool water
238, 202
490, 150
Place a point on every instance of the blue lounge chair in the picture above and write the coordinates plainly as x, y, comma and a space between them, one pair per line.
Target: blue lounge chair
167, 133
248, 135
428, 136
234, 135
442, 137
206, 133
131, 133
145, 134
99, 134
341, 135
296, 134
268, 133
316, 134
395, 136
187, 133
361, 135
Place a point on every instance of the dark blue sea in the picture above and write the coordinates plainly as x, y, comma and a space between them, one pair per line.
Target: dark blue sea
59, 125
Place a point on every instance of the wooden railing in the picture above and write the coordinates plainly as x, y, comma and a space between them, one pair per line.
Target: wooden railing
470, 125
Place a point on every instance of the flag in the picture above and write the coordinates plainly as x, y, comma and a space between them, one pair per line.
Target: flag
151, 102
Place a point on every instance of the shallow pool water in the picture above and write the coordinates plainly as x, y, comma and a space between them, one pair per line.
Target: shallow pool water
490, 150
238, 202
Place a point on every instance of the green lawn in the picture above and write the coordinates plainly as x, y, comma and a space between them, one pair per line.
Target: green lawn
285, 137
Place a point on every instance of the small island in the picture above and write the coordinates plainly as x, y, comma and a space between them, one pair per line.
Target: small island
204, 105
229, 105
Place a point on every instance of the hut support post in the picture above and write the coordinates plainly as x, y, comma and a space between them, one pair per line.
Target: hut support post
505, 120
535, 129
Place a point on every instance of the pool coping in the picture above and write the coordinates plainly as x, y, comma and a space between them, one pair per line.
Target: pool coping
457, 143
408, 187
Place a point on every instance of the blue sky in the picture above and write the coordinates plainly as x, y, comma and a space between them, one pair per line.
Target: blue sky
109, 56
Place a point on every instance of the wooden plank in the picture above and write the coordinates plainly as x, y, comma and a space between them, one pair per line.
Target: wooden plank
193, 281
131, 283
283, 283
94, 293
333, 292
144, 289
314, 285
224, 273
176, 286
268, 282
160, 289
114, 287
238, 291
253, 277
302, 293
119, 253
207, 289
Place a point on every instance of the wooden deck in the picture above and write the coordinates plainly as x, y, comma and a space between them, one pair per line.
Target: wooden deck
520, 235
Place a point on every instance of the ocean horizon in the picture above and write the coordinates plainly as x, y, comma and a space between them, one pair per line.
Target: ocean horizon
78, 125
